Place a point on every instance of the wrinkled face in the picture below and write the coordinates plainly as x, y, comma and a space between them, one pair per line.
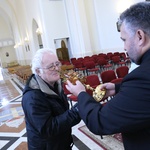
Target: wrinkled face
130, 43
50, 72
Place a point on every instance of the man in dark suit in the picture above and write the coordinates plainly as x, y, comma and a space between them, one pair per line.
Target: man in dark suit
129, 111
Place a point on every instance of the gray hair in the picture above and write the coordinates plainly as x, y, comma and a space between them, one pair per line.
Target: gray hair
137, 17
37, 59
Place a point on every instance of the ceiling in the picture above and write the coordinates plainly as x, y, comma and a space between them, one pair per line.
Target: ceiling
6, 36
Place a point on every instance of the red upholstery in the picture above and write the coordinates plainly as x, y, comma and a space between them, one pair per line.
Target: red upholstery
108, 76
92, 80
103, 64
122, 71
118, 80
91, 67
70, 96
117, 61
79, 66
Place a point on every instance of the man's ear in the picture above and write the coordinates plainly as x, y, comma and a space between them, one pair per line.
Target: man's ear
140, 37
38, 71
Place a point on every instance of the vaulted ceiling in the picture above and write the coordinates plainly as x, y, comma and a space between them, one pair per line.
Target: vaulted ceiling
6, 36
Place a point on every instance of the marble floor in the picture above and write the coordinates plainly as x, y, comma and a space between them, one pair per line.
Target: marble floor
12, 125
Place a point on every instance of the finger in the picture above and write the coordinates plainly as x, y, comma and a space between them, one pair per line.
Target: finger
78, 82
102, 86
68, 82
67, 87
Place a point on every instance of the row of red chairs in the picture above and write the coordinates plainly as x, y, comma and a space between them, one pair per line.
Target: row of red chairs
107, 56
98, 63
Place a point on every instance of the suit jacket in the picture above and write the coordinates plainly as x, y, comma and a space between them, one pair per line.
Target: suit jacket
127, 113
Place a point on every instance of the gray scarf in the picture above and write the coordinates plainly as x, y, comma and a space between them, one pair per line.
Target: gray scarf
40, 84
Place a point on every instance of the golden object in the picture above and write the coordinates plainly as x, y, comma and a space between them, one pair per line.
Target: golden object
72, 76
98, 94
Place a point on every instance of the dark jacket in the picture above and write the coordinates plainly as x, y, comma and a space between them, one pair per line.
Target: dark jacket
47, 115
127, 113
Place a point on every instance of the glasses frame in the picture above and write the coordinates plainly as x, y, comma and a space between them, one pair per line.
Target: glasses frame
52, 66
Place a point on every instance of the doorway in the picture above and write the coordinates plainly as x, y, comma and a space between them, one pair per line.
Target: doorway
62, 49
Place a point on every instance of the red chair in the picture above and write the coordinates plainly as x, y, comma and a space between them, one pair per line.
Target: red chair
86, 57
90, 67
93, 81
73, 59
108, 76
79, 67
116, 53
118, 80
80, 59
122, 71
66, 62
117, 61
94, 56
103, 64
109, 54
70, 96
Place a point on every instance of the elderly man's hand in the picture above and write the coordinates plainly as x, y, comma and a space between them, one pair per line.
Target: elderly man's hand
75, 89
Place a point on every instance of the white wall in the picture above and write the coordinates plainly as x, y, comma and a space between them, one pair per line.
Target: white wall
107, 16
90, 25
4, 59
54, 22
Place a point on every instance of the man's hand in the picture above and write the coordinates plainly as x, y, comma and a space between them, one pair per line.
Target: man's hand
110, 89
75, 89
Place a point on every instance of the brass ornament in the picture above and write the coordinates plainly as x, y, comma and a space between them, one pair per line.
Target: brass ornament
73, 76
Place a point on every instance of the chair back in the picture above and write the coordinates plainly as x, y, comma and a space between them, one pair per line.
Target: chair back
92, 80
102, 62
108, 76
89, 64
116, 59
122, 71
118, 80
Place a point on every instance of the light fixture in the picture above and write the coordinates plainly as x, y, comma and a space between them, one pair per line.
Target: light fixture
16, 46
20, 43
4, 102
26, 39
38, 31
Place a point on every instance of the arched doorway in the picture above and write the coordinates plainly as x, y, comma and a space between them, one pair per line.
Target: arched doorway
62, 50
37, 35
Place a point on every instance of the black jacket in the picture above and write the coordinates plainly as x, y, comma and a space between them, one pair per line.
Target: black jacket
127, 113
47, 115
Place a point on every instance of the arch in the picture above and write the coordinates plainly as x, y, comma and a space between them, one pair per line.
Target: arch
6, 27
36, 37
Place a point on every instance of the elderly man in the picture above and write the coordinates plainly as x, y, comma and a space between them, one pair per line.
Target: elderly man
47, 114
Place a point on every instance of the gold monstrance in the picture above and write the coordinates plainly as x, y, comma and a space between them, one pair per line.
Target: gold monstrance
73, 76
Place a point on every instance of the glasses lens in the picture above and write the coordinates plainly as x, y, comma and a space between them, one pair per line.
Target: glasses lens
54, 65
58, 64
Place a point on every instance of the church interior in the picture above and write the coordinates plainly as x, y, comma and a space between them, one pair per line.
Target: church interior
78, 31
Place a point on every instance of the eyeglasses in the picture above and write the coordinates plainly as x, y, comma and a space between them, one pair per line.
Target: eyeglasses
53, 66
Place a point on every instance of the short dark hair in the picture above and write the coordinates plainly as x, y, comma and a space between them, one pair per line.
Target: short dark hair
136, 17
